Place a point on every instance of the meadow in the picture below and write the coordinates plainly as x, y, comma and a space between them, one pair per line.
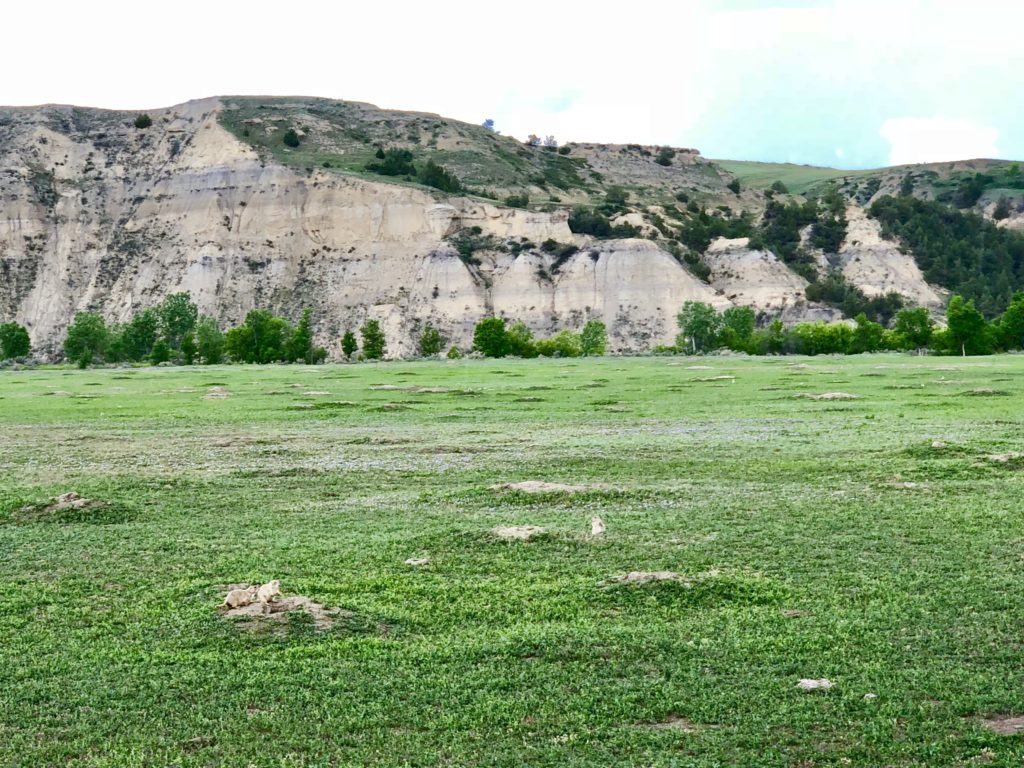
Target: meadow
873, 538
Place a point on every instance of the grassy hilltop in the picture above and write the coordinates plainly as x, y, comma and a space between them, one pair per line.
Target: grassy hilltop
812, 538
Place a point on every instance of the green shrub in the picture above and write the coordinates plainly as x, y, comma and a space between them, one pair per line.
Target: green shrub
396, 162
348, 344
14, 341
433, 175
734, 185
143, 121
88, 339
290, 138
490, 338
431, 341
517, 201
593, 338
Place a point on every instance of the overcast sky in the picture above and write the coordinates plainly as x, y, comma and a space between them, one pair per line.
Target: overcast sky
849, 83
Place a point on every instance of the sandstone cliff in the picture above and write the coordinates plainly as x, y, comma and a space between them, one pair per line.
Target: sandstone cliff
97, 214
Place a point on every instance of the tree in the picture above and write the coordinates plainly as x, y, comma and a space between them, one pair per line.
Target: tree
300, 345
290, 138
139, 334
779, 187
1011, 324
738, 328
262, 338
914, 327
433, 175
967, 330
374, 344
490, 338
143, 121
454, 353
88, 339
161, 352
348, 344
14, 341
177, 315
699, 327
593, 338
431, 341
209, 341
189, 349
520, 340
734, 185
867, 335
533, 140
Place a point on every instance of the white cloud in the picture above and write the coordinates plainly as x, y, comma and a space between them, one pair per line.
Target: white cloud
937, 139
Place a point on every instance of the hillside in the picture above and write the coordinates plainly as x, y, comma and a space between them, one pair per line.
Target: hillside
409, 218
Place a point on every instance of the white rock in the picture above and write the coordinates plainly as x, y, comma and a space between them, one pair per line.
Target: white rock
810, 684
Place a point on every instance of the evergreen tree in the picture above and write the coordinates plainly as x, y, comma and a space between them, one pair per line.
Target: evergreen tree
348, 344
300, 346
374, 344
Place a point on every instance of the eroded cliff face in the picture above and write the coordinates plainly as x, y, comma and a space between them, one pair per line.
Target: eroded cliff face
96, 214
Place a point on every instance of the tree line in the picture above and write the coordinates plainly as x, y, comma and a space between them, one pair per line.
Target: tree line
703, 329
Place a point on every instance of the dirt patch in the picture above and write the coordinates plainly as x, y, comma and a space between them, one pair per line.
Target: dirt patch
517, 532
717, 378
985, 392
417, 562
63, 503
217, 393
431, 390
1005, 725
274, 616
671, 723
828, 396
1005, 458
539, 486
391, 407
809, 684
392, 387
645, 577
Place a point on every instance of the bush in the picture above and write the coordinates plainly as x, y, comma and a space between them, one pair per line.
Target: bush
562, 344
396, 162
143, 121
290, 138
14, 341
209, 341
734, 185
665, 155
454, 353
490, 338
161, 352
517, 201
431, 341
433, 175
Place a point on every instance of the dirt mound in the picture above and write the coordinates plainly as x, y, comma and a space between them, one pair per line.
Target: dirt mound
829, 396
1005, 725
217, 393
539, 486
644, 577
274, 615
63, 503
671, 723
517, 532
809, 684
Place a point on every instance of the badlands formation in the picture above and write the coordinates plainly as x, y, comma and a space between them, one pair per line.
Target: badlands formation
96, 214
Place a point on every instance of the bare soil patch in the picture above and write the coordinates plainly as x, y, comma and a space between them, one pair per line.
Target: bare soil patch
539, 486
517, 532
1005, 725
828, 396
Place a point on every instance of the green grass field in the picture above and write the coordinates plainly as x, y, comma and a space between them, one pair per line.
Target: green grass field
797, 178
813, 539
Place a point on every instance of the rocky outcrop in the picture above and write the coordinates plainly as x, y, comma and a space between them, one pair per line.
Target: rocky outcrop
878, 267
96, 214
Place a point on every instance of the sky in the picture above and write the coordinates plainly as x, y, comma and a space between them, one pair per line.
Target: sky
845, 83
